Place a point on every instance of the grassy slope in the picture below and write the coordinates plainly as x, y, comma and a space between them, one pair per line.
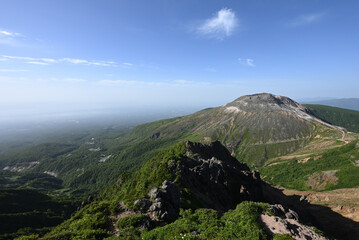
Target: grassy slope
325, 152
346, 118
293, 173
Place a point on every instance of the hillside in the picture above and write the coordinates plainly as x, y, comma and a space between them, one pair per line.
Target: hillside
322, 170
349, 119
195, 191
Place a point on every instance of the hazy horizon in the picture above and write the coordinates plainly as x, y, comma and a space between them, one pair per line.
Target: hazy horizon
86, 58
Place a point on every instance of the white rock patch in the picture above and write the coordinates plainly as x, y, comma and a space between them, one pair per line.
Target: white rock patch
232, 109
51, 173
104, 158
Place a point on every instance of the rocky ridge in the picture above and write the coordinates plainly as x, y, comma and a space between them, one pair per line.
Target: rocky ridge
216, 180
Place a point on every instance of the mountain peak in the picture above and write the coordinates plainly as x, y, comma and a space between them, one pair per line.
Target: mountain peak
266, 102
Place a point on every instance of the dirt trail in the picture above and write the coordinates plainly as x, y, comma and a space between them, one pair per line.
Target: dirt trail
115, 218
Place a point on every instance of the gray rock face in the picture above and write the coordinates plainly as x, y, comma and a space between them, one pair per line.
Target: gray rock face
166, 201
217, 179
142, 205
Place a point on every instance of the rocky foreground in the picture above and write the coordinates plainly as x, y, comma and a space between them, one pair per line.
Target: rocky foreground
218, 181
197, 191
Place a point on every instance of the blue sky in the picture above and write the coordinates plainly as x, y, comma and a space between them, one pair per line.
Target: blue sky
154, 53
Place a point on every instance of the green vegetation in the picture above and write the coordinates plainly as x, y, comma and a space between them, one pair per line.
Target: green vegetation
346, 118
137, 185
295, 175
91, 222
27, 211
131, 221
240, 223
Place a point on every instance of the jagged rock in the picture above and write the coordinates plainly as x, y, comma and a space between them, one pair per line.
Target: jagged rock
172, 193
215, 178
286, 222
166, 201
142, 205
147, 224
154, 193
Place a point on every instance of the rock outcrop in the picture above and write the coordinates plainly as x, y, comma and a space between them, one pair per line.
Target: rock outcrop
210, 177
285, 221
215, 178
166, 201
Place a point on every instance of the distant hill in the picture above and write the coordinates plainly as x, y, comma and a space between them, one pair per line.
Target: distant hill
348, 119
348, 103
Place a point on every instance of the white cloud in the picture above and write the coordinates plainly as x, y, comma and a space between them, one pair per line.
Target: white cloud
74, 60
174, 83
38, 63
127, 83
19, 58
87, 62
50, 60
10, 38
9, 34
306, 19
247, 62
46, 61
220, 26
127, 64
13, 70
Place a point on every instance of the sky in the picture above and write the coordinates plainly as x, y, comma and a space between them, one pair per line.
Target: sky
157, 53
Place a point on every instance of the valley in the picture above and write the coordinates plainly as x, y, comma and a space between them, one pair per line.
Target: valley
299, 149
